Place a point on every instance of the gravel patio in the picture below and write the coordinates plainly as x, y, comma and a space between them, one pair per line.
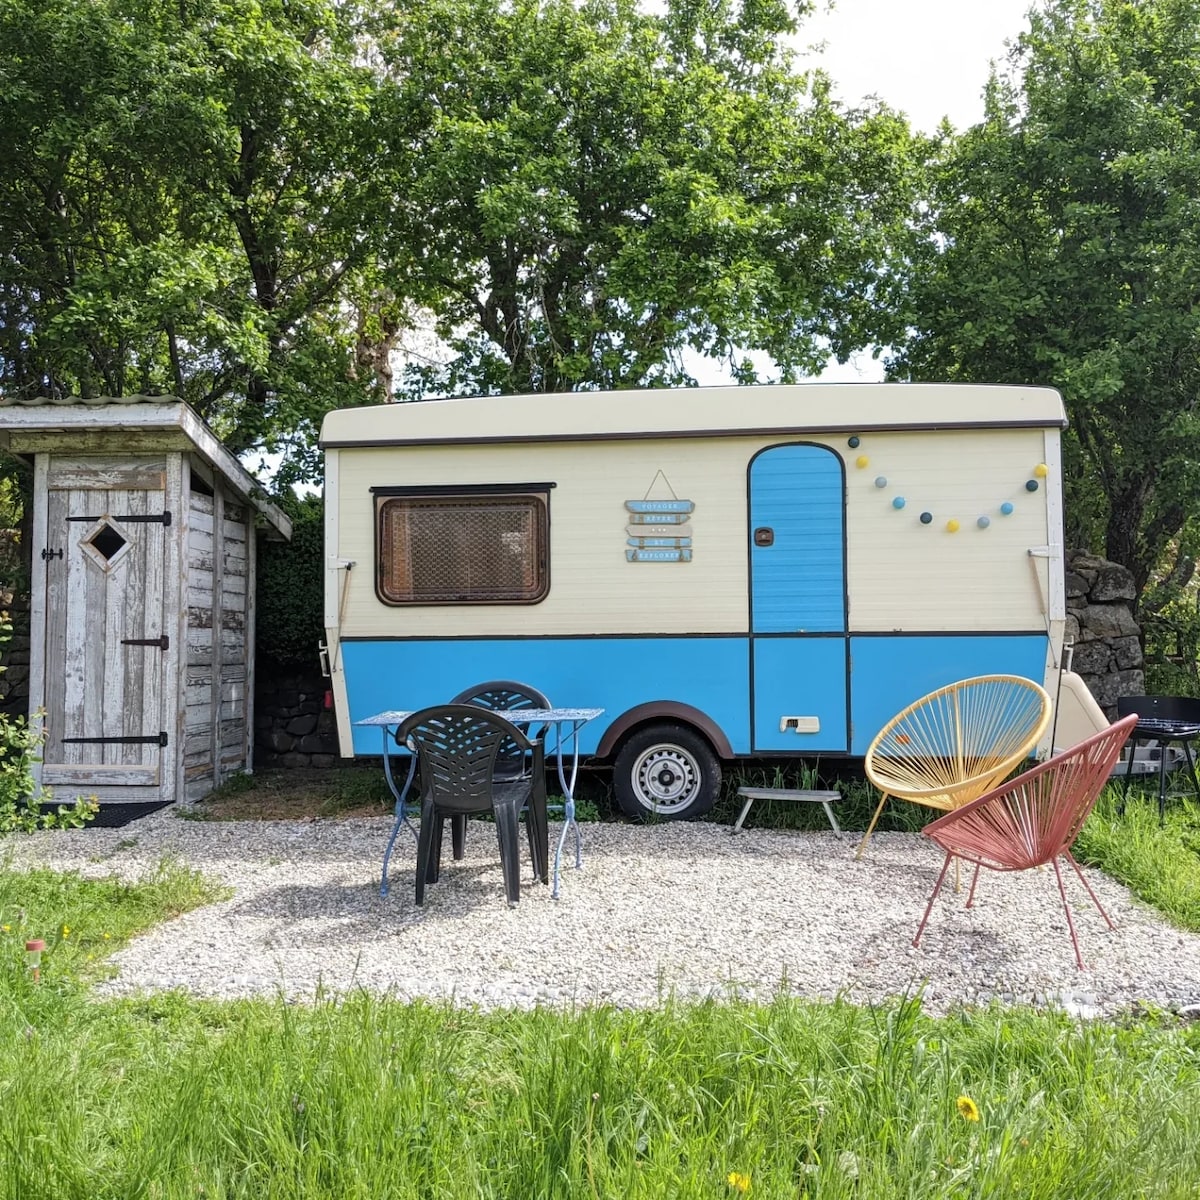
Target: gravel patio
678, 908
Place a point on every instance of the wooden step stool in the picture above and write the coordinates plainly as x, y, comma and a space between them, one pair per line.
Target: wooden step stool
822, 798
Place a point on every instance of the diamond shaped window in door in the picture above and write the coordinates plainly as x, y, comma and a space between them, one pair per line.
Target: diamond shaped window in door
106, 543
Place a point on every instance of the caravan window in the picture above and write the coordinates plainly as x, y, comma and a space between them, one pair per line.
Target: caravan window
463, 546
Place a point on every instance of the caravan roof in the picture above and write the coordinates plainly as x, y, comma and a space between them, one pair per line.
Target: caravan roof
696, 412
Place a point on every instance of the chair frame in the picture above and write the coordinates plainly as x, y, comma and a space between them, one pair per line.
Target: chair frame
1005, 829
946, 792
482, 791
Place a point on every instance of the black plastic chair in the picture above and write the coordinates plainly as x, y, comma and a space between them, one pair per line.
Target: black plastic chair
500, 695
457, 748
1167, 720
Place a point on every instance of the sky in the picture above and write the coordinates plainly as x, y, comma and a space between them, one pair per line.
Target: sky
926, 58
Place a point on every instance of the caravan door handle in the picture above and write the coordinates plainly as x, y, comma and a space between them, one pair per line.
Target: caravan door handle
764, 536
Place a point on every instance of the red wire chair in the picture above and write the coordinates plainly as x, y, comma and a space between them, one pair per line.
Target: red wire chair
1033, 819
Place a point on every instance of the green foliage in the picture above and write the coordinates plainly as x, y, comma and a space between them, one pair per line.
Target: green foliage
1060, 244
23, 806
81, 922
251, 205
1160, 863
615, 188
291, 575
370, 1097
188, 191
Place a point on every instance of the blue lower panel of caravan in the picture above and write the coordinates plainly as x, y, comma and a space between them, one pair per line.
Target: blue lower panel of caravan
802, 678
709, 673
889, 673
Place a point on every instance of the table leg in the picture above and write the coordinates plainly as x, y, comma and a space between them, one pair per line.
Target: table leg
568, 790
401, 808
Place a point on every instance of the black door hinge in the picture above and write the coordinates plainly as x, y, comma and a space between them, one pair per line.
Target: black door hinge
162, 518
156, 739
163, 643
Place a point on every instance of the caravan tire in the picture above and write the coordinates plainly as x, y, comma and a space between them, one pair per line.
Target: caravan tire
668, 772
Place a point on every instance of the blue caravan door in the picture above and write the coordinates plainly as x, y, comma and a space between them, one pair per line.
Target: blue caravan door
798, 638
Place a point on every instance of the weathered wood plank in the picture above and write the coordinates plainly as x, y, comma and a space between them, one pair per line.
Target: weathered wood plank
98, 474
110, 440
88, 775
202, 520
248, 643
54, 698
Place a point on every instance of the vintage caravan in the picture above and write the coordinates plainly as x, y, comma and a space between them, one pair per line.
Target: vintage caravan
726, 571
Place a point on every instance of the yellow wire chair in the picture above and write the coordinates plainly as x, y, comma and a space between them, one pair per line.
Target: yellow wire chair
954, 744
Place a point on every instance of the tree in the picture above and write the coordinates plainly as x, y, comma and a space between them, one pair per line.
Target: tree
596, 190
1061, 245
188, 191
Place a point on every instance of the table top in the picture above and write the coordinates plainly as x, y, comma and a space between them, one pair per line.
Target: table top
518, 716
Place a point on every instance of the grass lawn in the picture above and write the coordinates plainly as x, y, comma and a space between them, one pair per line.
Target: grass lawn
174, 1097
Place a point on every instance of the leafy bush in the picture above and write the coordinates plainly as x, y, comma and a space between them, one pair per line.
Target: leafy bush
22, 807
291, 584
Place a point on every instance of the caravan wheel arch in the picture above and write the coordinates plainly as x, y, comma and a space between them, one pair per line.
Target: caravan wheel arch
667, 760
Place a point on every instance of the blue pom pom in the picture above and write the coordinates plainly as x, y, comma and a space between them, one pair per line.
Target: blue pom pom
1006, 508
898, 502
926, 518
881, 481
983, 522
852, 443
1031, 485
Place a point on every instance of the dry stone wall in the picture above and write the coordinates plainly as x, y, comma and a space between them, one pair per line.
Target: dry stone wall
292, 726
1108, 645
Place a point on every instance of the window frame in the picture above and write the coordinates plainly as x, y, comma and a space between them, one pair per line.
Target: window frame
537, 493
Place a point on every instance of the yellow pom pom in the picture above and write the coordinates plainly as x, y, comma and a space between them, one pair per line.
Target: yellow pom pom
952, 526
862, 461
1041, 470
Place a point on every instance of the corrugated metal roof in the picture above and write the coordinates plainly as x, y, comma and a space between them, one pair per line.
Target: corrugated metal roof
90, 401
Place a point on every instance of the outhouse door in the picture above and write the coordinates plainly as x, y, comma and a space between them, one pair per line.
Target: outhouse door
798, 624
106, 534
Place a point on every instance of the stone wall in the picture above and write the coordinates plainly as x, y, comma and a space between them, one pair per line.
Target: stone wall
292, 726
14, 679
1108, 646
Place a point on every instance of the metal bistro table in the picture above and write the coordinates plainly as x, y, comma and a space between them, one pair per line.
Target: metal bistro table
566, 724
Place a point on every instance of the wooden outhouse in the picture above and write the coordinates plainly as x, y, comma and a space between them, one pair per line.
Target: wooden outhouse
142, 597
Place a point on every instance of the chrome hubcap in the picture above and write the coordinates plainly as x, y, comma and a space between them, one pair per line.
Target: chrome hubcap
666, 778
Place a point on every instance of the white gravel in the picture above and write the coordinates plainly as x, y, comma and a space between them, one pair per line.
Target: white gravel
683, 908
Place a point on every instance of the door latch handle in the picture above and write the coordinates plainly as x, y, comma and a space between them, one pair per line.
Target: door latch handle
764, 536
48, 554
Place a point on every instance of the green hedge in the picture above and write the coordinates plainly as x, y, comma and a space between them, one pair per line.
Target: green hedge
290, 586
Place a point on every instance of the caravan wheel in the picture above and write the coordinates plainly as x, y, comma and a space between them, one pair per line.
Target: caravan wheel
666, 771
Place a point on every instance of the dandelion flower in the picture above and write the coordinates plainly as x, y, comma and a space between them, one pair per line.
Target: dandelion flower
66, 931
6, 928
967, 1108
107, 936
738, 1181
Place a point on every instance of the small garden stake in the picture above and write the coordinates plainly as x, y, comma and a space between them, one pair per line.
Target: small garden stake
33, 952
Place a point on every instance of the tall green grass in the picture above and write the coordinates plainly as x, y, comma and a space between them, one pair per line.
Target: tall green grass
363, 1098
1159, 863
169, 1096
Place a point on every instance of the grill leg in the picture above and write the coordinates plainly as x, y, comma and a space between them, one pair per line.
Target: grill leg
1128, 773
1187, 749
